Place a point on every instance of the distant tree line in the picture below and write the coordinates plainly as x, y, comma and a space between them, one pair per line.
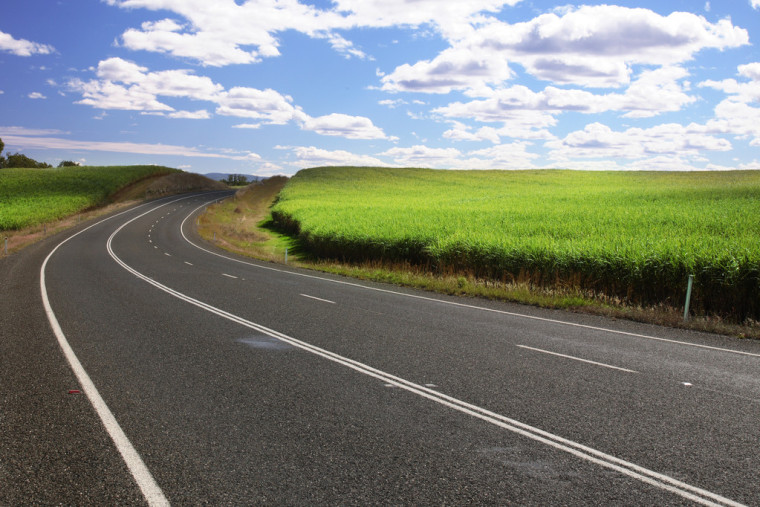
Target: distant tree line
236, 180
24, 162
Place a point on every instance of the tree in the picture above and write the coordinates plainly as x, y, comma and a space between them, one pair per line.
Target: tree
2, 158
68, 163
22, 161
2, 145
236, 180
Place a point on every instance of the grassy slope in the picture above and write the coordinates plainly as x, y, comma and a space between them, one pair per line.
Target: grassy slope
630, 236
237, 223
32, 196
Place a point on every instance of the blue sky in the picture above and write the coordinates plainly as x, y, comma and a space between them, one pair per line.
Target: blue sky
272, 86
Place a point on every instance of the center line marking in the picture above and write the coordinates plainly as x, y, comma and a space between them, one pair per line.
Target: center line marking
318, 299
576, 359
229, 276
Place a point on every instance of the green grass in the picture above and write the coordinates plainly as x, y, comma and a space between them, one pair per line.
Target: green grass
33, 196
635, 236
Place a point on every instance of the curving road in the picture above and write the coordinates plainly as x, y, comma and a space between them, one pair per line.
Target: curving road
140, 364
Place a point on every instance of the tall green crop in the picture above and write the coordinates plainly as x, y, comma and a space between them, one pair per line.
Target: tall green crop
32, 196
636, 236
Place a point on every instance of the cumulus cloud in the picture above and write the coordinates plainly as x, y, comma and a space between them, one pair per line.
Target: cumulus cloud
598, 141
22, 47
737, 114
592, 46
200, 114
36, 95
422, 156
311, 157
453, 69
225, 33
746, 92
127, 86
266, 105
350, 127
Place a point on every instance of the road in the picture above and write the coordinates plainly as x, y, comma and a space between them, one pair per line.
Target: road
142, 365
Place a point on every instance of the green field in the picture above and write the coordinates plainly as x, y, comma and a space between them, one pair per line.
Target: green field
635, 236
33, 196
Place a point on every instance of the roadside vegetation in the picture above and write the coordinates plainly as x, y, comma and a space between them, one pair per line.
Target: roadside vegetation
606, 239
242, 223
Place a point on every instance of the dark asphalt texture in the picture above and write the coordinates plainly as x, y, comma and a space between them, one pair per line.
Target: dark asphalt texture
224, 414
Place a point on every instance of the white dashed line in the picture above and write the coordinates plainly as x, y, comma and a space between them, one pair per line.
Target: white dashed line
229, 276
577, 359
318, 299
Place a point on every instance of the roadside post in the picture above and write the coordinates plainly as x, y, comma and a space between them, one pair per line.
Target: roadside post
286, 255
688, 299
6, 245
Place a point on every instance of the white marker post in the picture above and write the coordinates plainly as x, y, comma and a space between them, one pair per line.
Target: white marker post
688, 299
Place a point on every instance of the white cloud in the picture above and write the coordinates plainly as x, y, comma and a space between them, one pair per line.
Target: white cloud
56, 143
265, 105
743, 92
601, 142
127, 86
755, 3
453, 69
592, 46
737, 118
21, 47
36, 95
737, 115
224, 33
526, 114
345, 47
252, 126
422, 156
350, 127
200, 114
109, 95
508, 156
312, 157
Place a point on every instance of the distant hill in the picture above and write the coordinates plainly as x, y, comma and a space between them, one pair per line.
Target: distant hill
224, 176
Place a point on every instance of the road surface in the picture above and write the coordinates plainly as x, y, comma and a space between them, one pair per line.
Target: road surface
142, 365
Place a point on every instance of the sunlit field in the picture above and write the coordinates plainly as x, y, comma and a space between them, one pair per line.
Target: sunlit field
33, 196
636, 236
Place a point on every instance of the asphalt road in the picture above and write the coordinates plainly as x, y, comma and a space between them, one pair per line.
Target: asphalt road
181, 374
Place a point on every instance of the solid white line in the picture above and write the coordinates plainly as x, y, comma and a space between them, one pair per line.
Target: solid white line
461, 305
142, 476
229, 276
627, 468
318, 299
576, 358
